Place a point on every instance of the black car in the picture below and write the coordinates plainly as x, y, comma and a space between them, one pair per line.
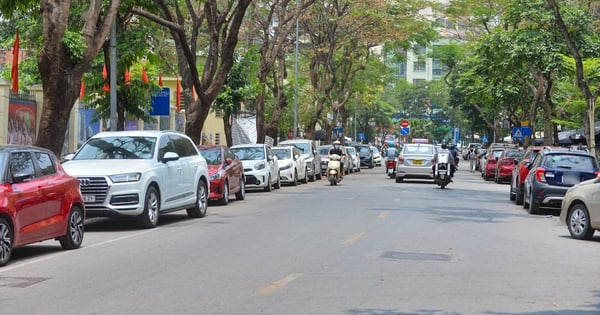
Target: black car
551, 173
366, 155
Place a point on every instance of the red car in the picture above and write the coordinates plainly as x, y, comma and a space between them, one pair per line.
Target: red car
39, 200
506, 163
226, 173
491, 156
519, 174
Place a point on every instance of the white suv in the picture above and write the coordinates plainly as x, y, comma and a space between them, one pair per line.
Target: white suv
261, 169
140, 174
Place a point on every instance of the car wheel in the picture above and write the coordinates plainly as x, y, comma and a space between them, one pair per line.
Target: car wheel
519, 195
74, 236
278, 182
534, 207
305, 179
241, 194
6, 241
399, 179
149, 218
225, 199
578, 222
511, 193
269, 187
371, 165
313, 177
318, 174
496, 179
295, 179
199, 209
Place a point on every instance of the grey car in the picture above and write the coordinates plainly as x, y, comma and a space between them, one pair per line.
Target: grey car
311, 155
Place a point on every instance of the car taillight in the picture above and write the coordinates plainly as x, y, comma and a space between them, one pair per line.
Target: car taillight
597, 174
540, 174
400, 160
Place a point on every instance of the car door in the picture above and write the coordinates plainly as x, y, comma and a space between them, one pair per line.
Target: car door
169, 173
30, 207
272, 162
189, 163
53, 189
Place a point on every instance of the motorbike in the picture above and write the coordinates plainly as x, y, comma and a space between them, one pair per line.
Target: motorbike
333, 169
443, 169
390, 166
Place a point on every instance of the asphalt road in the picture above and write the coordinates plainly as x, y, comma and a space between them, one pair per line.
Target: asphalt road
368, 246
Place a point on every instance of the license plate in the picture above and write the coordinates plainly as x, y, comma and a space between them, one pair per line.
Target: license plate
417, 162
89, 198
390, 171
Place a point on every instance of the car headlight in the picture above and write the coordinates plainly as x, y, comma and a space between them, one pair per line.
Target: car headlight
127, 177
216, 175
287, 166
259, 165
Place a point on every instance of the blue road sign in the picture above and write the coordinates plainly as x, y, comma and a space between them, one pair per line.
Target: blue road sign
361, 136
161, 103
405, 131
518, 133
456, 135
338, 131
485, 139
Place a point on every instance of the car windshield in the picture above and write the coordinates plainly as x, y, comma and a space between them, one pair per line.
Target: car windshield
364, 150
249, 153
414, 149
514, 154
123, 147
283, 154
212, 156
324, 150
496, 154
570, 162
303, 147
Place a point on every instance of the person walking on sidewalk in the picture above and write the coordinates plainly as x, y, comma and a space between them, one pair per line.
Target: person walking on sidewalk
472, 157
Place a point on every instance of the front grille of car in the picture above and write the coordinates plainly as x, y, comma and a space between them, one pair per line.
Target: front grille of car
94, 186
248, 169
251, 180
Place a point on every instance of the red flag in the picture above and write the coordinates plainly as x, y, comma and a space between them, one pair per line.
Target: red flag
81, 91
105, 87
14, 71
160, 83
127, 77
144, 76
178, 96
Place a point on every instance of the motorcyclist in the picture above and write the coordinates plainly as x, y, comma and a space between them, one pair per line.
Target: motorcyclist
452, 160
337, 149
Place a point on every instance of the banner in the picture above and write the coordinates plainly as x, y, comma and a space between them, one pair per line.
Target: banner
21, 122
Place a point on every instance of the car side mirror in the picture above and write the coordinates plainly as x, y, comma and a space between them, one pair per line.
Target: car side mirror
516, 161
170, 156
528, 165
496, 159
22, 177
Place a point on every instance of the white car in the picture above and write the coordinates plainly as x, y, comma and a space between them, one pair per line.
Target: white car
376, 156
311, 156
261, 169
580, 210
292, 166
353, 155
140, 174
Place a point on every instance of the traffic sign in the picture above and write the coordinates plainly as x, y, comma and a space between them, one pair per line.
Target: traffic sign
405, 131
519, 133
404, 123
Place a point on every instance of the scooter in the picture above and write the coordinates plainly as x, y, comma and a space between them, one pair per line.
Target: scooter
390, 166
442, 172
333, 169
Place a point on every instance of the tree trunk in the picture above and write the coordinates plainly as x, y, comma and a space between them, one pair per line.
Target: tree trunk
227, 128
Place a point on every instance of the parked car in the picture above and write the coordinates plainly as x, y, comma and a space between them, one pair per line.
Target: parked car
376, 156
580, 209
311, 156
552, 172
480, 159
415, 161
366, 155
520, 172
261, 169
489, 171
39, 200
505, 164
355, 159
225, 171
292, 166
140, 174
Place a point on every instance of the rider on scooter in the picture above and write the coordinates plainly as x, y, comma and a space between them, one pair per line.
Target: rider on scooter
337, 149
452, 161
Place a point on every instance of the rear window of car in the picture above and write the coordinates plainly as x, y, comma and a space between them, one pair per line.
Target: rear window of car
496, 153
570, 162
418, 149
514, 154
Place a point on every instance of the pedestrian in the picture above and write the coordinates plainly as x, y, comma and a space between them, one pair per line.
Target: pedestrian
472, 157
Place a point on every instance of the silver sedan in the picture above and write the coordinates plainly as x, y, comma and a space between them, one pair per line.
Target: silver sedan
415, 161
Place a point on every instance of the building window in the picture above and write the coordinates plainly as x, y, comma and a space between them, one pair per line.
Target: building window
401, 69
218, 138
419, 50
219, 113
438, 68
418, 81
419, 66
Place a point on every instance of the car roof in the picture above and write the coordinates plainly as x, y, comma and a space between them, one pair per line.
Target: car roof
20, 147
250, 145
296, 141
136, 133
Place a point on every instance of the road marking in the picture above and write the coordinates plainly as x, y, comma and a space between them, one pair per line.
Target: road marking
383, 214
396, 200
353, 238
269, 289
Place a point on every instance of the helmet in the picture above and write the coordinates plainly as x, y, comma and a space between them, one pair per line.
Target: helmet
336, 142
444, 146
